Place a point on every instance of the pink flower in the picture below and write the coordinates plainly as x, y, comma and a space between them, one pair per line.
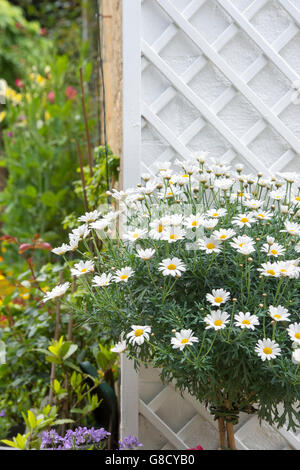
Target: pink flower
70, 92
19, 83
43, 31
51, 96
196, 448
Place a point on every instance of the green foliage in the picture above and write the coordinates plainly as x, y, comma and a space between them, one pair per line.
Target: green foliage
35, 424
19, 39
42, 123
96, 184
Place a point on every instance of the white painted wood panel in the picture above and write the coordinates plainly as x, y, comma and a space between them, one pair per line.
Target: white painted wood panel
213, 75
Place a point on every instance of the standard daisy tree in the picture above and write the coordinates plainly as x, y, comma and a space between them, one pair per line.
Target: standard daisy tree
202, 281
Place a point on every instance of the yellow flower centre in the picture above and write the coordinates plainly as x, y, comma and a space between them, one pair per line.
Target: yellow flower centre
124, 276
297, 198
283, 270
292, 230
210, 246
267, 350
297, 335
218, 323
173, 236
83, 270
223, 237
271, 271
184, 341
261, 215
185, 176
138, 332
195, 223
218, 300
277, 316
215, 214
160, 228
135, 235
171, 267
274, 252
244, 220
241, 244
170, 193
240, 194
246, 322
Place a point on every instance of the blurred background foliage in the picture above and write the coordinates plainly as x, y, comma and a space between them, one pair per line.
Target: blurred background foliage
43, 46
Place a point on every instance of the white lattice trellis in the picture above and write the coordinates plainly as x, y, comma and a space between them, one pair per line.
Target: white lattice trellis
212, 75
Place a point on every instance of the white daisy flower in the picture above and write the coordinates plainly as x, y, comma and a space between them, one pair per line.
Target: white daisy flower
292, 228
122, 275
172, 267
297, 247
288, 268
267, 349
253, 203
90, 216
262, 215
239, 196
243, 220
139, 334
270, 240
173, 234
217, 320
218, 297
216, 213
223, 234
134, 235
112, 215
294, 332
182, 339
61, 250
224, 183
246, 249
210, 224
277, 194
193, 221
119, 347
58, 290
296, 356
157, 229
145, 254
102, 281
162, 166
240, 241
100, 224
273, 250
290, 177
209, 245
246, 320
279, 313
175, 220
296, 199
83, 267
82, 231
73, 242
269, 270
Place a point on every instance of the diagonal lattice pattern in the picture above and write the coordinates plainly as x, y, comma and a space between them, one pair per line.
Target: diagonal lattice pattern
216, 75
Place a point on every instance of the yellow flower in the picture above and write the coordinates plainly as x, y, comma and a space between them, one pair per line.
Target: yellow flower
2, 115
40, 80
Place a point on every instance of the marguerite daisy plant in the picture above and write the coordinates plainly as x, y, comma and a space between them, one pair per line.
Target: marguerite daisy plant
201, 280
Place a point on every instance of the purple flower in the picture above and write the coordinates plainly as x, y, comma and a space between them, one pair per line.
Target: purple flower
2, 413
74, 440
9, 134
130, 442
